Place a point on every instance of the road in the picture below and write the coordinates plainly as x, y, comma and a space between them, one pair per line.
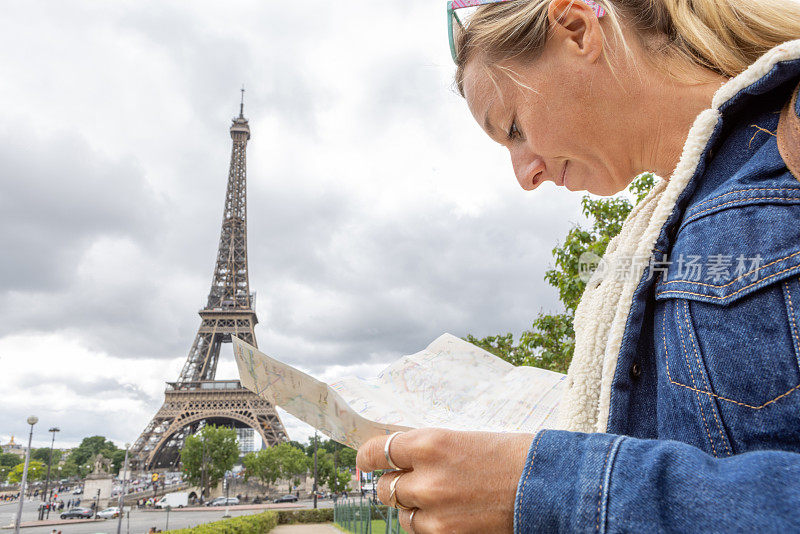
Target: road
140, 521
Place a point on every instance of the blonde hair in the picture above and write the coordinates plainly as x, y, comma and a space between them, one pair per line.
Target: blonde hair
724, 36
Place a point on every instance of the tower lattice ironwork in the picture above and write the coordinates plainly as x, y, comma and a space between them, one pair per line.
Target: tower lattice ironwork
197, 398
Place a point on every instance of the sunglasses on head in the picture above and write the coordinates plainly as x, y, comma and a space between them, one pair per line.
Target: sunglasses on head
457, 24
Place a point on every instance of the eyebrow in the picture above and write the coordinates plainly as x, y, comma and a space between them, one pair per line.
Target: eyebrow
487, 125
491, 130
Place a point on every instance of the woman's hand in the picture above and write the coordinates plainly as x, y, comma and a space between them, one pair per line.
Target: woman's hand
460, 482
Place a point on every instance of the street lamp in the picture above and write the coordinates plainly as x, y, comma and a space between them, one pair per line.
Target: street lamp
32, 420
47, 480
316, 444
203, 470
122, 491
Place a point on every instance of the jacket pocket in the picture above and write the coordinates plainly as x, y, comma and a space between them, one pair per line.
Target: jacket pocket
746, 352
729, 321
731, 373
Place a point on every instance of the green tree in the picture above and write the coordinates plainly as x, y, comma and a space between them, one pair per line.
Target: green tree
43, 455
335, 479
7, 462
297, 445
8, 459
284, 461
83, 454
262, 465
69, 469
346, 458
117, 459
36, 471
292, 462
550, 341
208, 455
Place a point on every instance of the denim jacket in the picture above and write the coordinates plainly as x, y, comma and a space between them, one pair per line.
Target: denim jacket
703, 423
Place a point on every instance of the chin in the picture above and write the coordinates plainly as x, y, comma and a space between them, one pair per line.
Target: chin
603, 188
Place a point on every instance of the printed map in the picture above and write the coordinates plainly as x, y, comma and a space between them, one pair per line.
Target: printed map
450, 384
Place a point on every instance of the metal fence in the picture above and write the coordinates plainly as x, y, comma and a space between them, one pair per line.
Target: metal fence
362, 516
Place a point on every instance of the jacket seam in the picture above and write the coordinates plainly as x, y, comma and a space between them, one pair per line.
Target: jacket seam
706, 380
735, 279
696, 216
691, 374
679, 292
605, 485
792, 320
747, 190
524, 483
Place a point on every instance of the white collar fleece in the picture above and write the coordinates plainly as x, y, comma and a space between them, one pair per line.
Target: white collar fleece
604, 307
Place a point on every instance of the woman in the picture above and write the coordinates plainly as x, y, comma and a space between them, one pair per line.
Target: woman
683, 408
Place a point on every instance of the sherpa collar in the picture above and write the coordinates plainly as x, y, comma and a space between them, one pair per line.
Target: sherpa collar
601, 316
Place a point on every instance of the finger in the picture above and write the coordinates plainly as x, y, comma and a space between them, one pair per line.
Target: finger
406, 489
371, 454
415, 526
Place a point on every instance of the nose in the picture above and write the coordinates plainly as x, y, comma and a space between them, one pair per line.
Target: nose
528, 168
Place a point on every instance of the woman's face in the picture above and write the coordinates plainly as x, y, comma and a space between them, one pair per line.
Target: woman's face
556, 117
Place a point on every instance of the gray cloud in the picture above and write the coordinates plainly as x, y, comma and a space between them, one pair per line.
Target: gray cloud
57, 195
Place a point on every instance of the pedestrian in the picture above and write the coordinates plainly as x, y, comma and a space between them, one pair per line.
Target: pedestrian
682, 404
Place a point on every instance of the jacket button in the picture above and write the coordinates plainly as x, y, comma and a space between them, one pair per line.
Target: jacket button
636, 370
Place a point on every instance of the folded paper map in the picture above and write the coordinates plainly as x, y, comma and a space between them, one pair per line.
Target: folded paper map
451, 384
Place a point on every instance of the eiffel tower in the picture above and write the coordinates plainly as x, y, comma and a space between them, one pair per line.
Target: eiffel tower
197, 398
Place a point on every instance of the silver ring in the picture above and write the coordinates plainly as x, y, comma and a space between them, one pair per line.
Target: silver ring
411, 518
386, 450
393, 502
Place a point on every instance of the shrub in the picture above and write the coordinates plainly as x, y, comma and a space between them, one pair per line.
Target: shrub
320, 515
246, 524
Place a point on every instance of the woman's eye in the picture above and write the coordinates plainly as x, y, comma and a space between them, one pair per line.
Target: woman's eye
513, 131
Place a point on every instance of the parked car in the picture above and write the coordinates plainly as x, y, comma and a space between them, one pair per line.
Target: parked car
109, 513
77, 513
287, 498
222, 501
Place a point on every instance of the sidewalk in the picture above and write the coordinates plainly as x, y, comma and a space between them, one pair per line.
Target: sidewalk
322, 528
50, 522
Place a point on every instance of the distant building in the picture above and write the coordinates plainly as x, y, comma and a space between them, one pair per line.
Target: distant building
14, 448
247, 440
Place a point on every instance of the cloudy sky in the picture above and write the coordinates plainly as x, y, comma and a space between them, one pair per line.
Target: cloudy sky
380, 215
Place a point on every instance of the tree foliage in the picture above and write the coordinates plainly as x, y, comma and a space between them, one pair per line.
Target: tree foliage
261, 465
36, 471
209, 454
283, 461
69, 469
83, 455
335, 479
550, 341
8, 459
334, 462
43, 455
346, 457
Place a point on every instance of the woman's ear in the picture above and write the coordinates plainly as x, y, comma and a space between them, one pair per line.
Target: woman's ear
575, 25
